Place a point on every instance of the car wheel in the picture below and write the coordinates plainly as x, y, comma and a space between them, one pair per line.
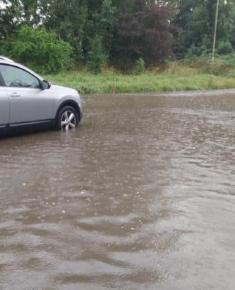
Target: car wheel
67, 118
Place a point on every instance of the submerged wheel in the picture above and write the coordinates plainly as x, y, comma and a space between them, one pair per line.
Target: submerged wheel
67, 118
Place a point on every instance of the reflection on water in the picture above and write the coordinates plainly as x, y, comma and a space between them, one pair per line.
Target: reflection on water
142, 196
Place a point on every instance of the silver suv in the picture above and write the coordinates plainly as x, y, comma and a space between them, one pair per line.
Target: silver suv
26, 99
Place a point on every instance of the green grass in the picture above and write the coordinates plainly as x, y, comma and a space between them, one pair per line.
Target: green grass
175, 77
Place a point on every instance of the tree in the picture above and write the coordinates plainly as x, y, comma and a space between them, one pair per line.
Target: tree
67, 19
8, 15
37, 48
97, 57
127, 30
144, 33
79, 21
195, 22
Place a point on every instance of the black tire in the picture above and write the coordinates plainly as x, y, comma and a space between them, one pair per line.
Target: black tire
67, 118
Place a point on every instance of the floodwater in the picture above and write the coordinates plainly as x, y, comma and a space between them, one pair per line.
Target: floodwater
141, 196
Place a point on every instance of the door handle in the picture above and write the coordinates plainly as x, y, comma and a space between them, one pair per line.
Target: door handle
15, 95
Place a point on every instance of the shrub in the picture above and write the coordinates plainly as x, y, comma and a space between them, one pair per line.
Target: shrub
139, 66
224, 48
38, 48
221, 66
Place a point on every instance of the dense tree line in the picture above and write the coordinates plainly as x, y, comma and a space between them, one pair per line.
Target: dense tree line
117, 32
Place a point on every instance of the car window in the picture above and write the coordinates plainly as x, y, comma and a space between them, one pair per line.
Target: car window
1, 80
16, 77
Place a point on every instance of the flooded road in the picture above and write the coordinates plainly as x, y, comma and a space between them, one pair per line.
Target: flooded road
142, 196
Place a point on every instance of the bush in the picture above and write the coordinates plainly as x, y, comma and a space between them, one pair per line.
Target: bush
224, 48
97, 56
139, 66
222, 65
38, 48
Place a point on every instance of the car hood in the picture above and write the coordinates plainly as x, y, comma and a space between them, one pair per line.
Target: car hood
64, 90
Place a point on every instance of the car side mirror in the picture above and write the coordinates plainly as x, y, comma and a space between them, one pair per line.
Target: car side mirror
45, 85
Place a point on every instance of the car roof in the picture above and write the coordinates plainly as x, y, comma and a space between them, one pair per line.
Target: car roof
7, 61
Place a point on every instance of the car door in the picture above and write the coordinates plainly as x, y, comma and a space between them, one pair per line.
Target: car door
28, 102
4, 105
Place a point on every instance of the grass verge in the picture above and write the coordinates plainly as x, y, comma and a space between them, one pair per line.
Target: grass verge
175, 77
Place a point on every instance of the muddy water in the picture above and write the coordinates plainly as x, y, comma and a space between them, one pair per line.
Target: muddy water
142, 196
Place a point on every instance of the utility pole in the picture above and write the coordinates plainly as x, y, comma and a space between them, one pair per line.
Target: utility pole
215, 30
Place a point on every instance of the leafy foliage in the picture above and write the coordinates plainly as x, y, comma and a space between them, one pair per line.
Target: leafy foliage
195, 22
97, 56
38, 48
143, 34
124, 31
139, 66
225, 47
